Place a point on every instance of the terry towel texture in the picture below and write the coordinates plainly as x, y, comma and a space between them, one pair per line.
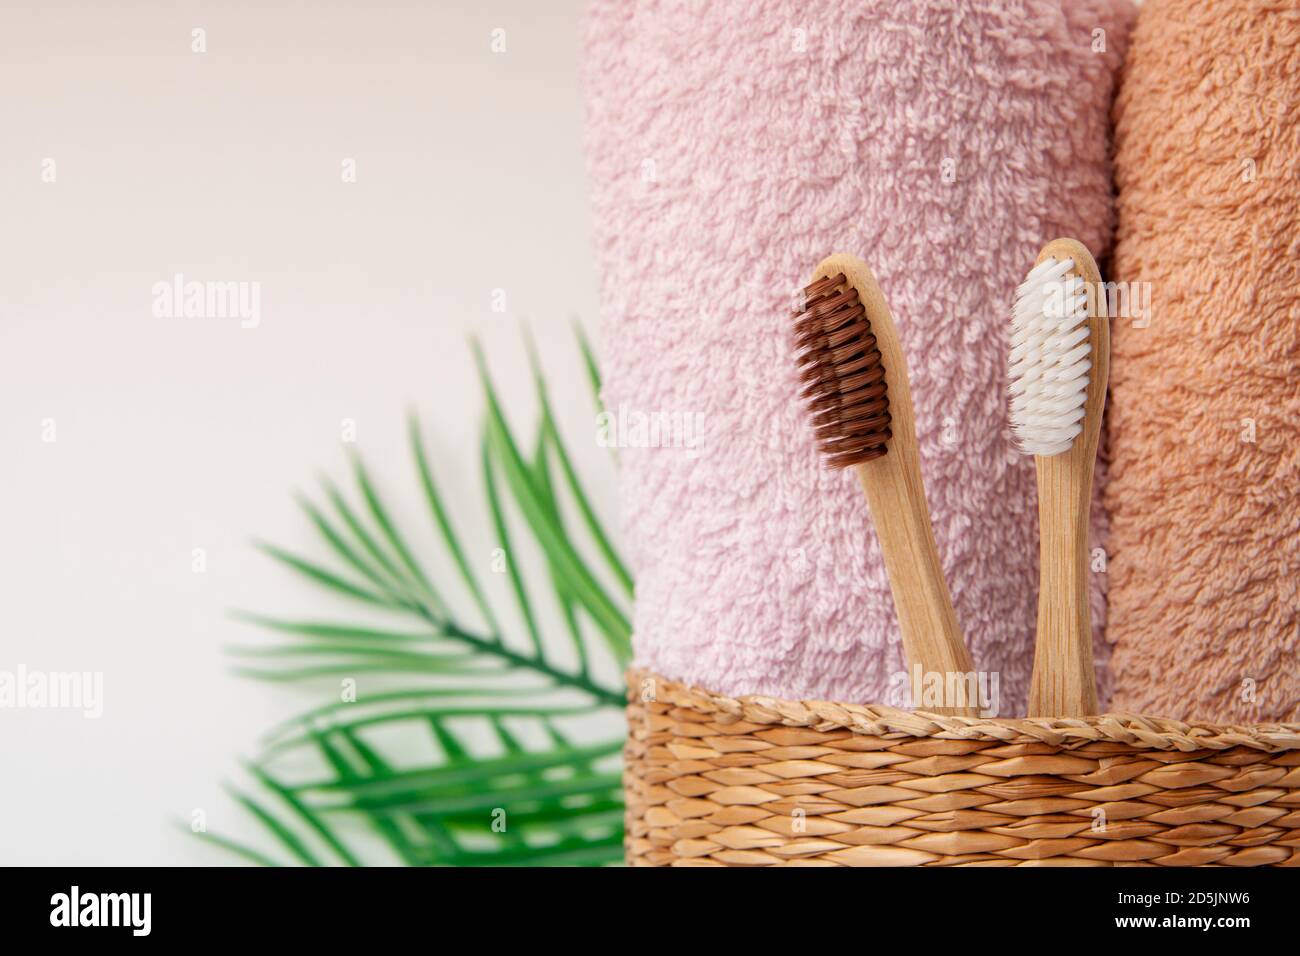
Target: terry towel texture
1204, 489
732, 146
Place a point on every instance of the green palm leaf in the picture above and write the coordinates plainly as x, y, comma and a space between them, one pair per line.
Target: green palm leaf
500, 780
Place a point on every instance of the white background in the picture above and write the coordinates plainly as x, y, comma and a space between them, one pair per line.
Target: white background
176, 434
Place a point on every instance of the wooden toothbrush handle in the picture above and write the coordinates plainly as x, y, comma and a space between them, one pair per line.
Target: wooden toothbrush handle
1063, 682
932, 638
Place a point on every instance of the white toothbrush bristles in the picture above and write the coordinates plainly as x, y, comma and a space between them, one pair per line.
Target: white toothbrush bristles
1049, 360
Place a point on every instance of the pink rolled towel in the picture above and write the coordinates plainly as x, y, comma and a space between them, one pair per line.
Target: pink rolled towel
733, 145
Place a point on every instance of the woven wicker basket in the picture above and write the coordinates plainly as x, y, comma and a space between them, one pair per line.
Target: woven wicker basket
758, 781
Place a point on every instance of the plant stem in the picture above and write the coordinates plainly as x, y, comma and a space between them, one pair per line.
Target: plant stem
488, 646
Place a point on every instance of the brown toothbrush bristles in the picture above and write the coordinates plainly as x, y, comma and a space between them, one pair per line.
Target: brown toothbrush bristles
841, 371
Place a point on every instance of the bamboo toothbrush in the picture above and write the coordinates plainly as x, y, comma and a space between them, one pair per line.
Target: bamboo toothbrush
856, 387
1059, 361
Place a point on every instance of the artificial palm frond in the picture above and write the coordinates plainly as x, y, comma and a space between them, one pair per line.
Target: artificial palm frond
500, 713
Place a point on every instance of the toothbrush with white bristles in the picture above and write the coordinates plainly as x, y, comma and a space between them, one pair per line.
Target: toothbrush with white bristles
1057, 370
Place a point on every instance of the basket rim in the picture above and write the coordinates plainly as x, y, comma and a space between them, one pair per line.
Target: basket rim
879, 720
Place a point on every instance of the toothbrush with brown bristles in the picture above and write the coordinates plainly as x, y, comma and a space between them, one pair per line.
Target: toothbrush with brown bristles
856, 387
1059, 360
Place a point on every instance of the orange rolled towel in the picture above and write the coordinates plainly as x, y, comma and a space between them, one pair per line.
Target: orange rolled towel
1204, 486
